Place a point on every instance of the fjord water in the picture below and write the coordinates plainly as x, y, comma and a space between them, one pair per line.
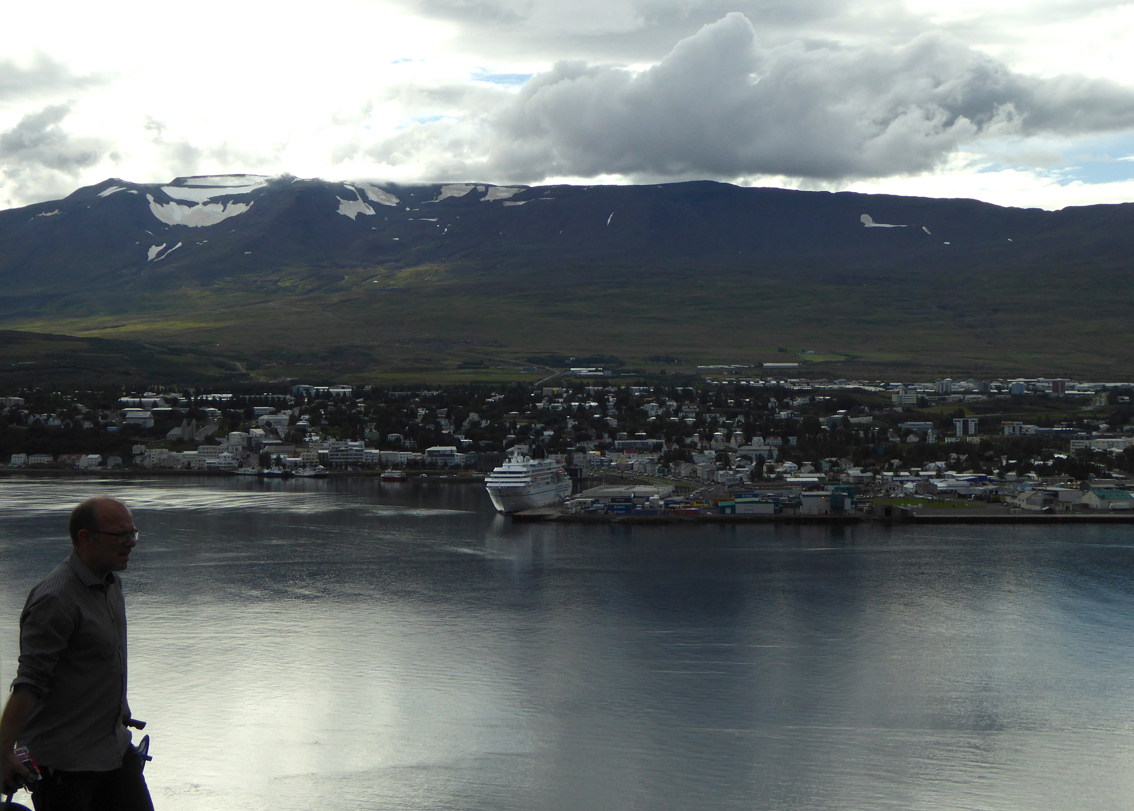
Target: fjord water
344, 644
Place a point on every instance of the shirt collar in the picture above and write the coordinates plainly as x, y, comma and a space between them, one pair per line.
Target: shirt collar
86, 576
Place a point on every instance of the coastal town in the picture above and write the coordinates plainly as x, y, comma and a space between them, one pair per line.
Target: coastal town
726, 444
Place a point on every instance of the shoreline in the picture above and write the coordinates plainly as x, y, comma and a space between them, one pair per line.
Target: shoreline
553, 515
537, 516
134, 473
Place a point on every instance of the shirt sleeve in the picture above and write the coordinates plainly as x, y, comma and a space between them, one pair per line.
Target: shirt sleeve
46, 627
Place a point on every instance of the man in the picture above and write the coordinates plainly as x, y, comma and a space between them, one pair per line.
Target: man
68, 702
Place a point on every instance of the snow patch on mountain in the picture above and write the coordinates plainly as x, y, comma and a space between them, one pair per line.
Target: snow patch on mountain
154, 250
47, 213
196, 216
456, 190
501, 192
868, 221
111, 190
376, 194
352, 208
199, 194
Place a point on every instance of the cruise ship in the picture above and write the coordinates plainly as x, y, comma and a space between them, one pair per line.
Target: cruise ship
523, 483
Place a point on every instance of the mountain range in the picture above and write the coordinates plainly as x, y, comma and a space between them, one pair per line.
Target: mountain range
286, 276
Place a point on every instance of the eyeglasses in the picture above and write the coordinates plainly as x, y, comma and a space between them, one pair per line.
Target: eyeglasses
123, 537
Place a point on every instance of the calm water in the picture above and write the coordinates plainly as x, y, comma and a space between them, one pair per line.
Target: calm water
351, 645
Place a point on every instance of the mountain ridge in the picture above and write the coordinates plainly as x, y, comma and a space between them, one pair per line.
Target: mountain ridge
571, 269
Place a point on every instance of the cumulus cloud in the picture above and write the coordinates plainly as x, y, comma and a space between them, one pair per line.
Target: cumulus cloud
39, 158
797, 93
39, 140
722, 104
644, 30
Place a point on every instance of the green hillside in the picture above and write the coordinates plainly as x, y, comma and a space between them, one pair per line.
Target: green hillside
471, 286
30, 358
429, 322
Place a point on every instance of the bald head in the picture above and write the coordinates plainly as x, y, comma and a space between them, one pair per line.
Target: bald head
86, 515
103, 534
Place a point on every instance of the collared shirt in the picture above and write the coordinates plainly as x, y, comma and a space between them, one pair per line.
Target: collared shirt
73, 656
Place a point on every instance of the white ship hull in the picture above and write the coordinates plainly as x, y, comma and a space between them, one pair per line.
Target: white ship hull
524, 484
518, 499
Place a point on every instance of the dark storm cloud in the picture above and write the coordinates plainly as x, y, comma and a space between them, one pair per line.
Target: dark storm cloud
43, 76
723, 104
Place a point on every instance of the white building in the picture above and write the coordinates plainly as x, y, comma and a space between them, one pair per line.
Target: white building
965, 426
904, 396
155, 457
274, 422
396, 457
210, 452
1107, 499
222, 461
1114, 444
345, 454
139, 417
443, 456
758, 448
815, 502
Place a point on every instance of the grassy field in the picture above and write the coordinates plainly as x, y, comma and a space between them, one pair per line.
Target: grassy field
430, 323
43, 360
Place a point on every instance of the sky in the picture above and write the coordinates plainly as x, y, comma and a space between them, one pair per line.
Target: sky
1017, 102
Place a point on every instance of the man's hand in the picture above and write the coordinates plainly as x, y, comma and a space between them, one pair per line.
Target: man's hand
15, 774
16, 713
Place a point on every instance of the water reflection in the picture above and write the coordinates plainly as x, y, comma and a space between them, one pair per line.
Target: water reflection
344, 644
